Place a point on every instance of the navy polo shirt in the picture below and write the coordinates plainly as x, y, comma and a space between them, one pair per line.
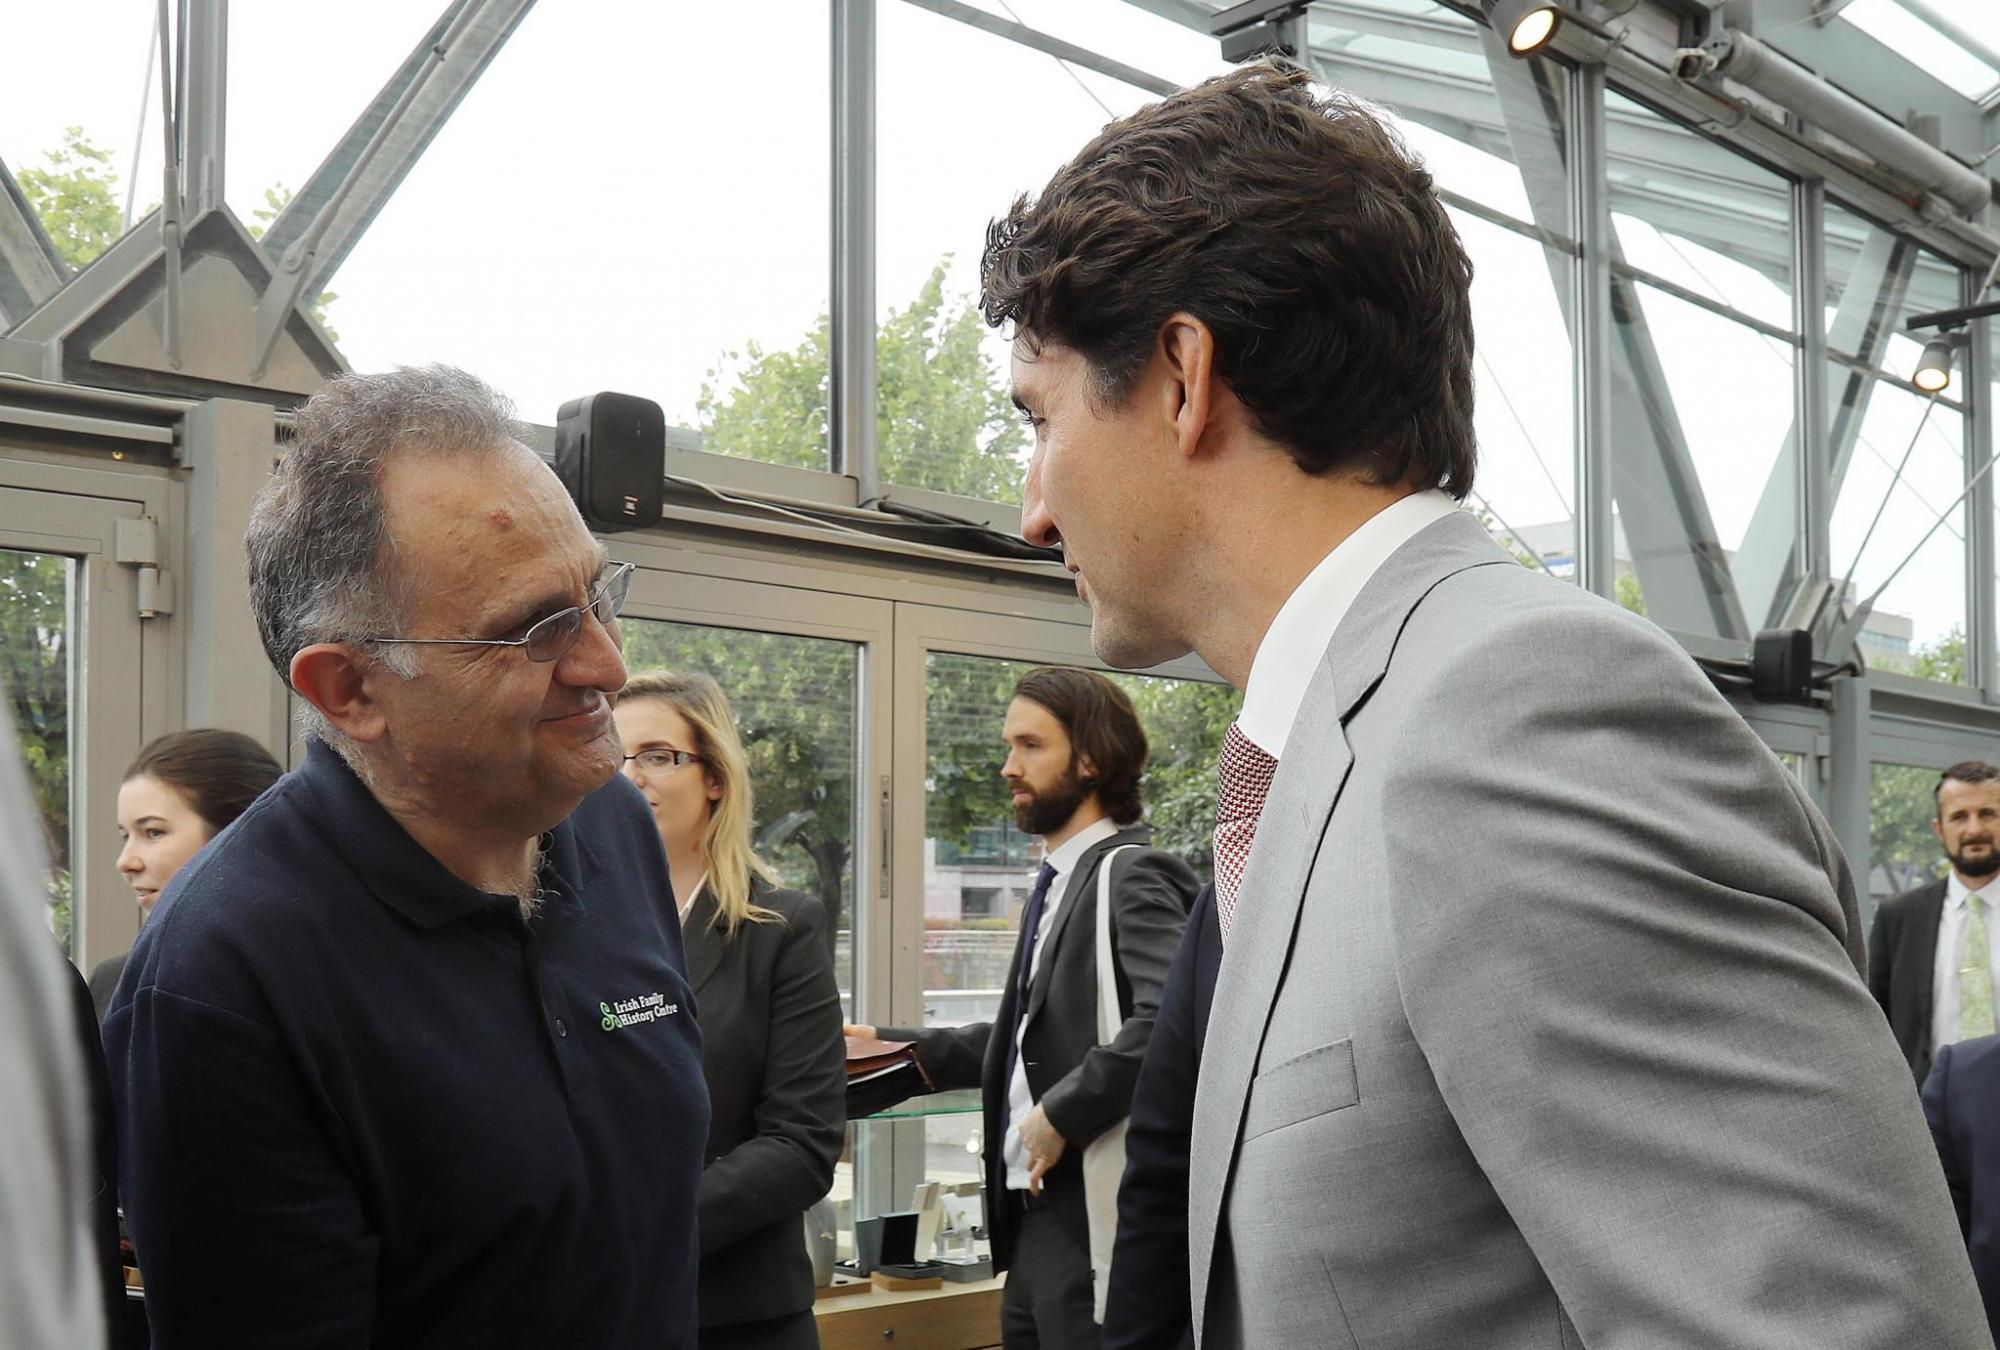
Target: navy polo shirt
363, 1104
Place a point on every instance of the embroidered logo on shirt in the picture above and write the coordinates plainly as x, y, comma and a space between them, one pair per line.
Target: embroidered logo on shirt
632, 1012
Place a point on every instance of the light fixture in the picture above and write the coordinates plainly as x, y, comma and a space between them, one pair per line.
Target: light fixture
1527, 25
1933, 373
1934, 366
1258, 28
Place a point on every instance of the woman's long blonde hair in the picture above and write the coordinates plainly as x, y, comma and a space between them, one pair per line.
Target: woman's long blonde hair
731, 861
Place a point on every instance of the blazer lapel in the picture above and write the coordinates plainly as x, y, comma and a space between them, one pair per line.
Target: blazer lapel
1923, 954
1081, 883
1312, 770
702, 937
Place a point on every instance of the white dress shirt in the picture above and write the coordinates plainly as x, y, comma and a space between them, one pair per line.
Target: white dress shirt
1951, 955
1020, 1100
1298, 637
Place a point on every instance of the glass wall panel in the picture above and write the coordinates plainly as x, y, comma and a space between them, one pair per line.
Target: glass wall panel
952, 155
1902, 849
1895, 454
1907, 469
1522, 409
1705, 463
795, 700
630, 198
38, 675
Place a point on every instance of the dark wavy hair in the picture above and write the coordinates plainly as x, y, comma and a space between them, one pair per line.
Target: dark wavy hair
1295, 225
219, 772
1102, 726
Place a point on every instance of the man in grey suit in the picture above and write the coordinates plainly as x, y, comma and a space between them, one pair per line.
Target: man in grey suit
1539, 1019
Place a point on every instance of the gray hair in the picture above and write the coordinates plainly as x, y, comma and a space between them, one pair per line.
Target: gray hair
319, 553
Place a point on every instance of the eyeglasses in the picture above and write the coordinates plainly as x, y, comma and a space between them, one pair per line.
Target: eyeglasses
552, 637
663, 761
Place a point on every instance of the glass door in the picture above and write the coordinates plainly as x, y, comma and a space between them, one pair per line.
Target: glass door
73, 659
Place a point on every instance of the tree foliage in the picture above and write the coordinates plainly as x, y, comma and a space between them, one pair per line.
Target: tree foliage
75, 195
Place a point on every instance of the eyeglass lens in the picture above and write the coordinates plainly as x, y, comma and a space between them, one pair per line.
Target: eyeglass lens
549, 639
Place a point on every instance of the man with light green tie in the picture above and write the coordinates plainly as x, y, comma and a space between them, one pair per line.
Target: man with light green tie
1931, 953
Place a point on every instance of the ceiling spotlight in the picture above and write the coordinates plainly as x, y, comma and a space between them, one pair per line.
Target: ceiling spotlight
1527, 24
1934, 366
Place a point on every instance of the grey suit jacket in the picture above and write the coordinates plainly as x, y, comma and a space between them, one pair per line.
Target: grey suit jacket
1540, 1021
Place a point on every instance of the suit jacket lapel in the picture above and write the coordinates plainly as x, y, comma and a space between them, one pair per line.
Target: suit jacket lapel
1080, 883
1312, 770
702, 937
1921, 971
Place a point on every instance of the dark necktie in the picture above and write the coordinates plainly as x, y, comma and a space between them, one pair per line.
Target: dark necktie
1031, 927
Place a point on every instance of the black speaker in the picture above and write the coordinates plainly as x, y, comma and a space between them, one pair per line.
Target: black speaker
1781, 666
611, 453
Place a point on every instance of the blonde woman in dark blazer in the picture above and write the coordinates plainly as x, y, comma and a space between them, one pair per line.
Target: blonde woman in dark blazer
759, 963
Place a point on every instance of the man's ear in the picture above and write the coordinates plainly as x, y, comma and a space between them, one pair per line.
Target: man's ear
1187, 356
340, 681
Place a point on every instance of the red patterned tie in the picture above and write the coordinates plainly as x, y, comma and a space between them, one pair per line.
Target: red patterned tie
1244, 774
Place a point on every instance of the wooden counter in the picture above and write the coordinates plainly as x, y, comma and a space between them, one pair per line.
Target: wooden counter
956, 1317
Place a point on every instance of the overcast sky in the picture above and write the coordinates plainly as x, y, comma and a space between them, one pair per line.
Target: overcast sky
633, 191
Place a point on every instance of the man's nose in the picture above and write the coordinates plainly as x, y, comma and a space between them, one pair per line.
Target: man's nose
1038, 527
595, 662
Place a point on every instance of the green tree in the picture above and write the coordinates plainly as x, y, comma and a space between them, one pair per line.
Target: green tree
75, 195
944, 419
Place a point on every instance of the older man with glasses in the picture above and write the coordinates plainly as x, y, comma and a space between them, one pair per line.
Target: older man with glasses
407, 1057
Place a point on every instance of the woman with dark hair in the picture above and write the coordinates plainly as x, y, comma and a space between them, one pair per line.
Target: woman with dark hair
183, 790
758, 960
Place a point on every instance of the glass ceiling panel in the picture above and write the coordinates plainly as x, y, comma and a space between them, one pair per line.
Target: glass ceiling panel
647, 214
1924, 46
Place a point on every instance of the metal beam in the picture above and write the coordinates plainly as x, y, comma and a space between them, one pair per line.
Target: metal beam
852, 419
1982, 670
487, 26
1620, 385
1852, 59
204, 125
30, 268
1589, 210
1813, 558
1849, 775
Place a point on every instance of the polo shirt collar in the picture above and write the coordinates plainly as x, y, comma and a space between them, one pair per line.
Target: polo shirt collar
395, 868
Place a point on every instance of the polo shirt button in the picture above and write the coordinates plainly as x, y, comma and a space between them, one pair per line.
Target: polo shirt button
561, 1030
